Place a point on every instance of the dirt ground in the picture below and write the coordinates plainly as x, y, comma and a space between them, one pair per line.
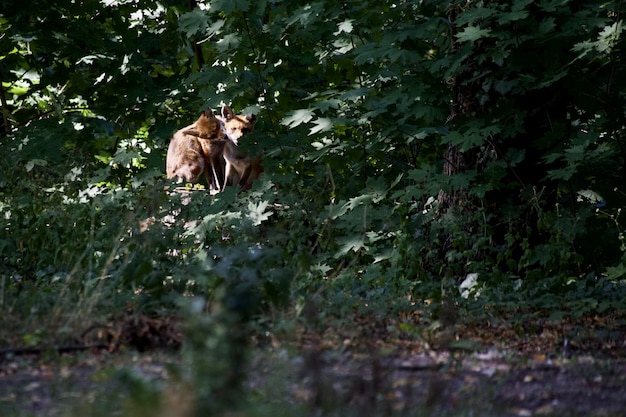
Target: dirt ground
487, 383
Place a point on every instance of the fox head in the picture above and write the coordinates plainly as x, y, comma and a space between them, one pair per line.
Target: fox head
208, 126
237, 125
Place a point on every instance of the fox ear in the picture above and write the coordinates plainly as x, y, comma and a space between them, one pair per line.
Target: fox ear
251, 118
227, 112
208, 113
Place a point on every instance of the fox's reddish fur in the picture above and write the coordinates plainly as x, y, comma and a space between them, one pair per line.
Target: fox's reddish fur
240, 169
197, 149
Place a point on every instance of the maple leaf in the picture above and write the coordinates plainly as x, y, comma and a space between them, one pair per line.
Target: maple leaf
472, 34
257, 213
297, 117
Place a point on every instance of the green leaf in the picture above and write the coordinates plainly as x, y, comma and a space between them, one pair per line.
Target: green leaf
194, 22
474, 14
230, 6
462, 181
35, 162
257, 213
506, 18
557, 316
471, 138
609, 37
345, 26
519, 5
503, 87
472, 34
322, 124
297, 117
229, 42
547, 25
13, 51
617, 272
352, 243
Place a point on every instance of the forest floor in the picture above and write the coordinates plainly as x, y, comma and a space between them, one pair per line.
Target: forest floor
335, 374
437, 383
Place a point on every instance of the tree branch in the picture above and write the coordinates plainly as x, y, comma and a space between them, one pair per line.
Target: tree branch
6, 123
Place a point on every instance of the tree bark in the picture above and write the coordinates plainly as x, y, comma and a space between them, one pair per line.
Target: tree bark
6, 123
464, 103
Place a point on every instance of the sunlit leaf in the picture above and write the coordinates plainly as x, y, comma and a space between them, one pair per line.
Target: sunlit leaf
297, 117
345, 26
322, 124
257, 212
472, 34
352, 243
35, 162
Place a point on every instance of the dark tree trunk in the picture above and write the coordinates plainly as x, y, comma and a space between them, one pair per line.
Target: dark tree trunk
454, 163
464, 104
6, 123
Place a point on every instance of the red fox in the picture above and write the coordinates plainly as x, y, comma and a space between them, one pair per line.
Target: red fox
239, 168
196, 149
